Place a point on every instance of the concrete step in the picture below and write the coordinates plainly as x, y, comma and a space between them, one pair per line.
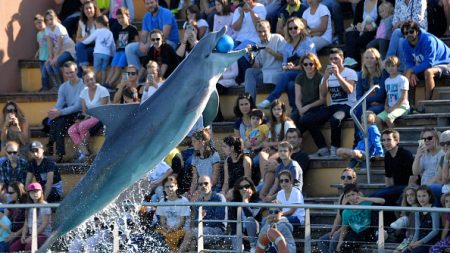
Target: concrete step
435, 106
441, 93
424, 119
410, 145
413, 133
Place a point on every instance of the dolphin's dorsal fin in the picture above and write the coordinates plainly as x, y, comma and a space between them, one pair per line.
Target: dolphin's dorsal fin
113, 115
212, 107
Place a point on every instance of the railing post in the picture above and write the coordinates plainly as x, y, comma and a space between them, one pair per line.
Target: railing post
380, 232
239, 229
115, 234
307, 231
366, 141
34, 235
200, 230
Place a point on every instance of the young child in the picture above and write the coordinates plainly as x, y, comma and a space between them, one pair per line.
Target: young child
42, 53
126, 35
397, 87
285, 152
384, 30
5, 230
355, 223
257, 133
104, 46
444, 243
406, 219
359, 153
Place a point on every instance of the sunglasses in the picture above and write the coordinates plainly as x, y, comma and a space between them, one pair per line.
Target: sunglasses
346, 177
155, 39
284, 181
34, 150
445, 143
306, 64
132, 73
386, 140
11, 110
409, 32
12, 152
293, 28
203, 183
276, 211
242, 187
429, 138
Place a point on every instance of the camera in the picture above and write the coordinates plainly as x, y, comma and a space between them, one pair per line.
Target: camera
256, 48
241, 4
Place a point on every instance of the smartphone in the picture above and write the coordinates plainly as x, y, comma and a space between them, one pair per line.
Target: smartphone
329, 66
149, 77
125, 76
421, 142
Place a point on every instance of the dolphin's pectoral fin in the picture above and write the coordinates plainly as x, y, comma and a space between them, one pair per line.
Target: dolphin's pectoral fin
113, 115
195, 101
212, 107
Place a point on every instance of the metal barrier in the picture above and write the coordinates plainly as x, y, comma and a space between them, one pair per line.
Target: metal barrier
307, 207
363, 130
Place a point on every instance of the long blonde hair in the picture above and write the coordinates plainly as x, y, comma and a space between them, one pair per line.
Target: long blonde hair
301, 26
378, 69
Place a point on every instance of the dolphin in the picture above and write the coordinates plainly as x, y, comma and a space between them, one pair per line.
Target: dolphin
138, 137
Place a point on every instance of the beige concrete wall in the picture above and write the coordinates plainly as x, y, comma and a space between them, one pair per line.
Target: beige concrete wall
17, 37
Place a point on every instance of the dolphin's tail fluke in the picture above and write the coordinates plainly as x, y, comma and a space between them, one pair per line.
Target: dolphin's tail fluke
50, 240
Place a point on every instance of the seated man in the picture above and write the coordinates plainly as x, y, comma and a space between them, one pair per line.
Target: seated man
292, 8
267, 62
424, 54
14, 168
208, 213
66, 110
46, 173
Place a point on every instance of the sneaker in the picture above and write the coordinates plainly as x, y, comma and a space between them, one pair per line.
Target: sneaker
333, 151
400, 223
322, 152
264, 104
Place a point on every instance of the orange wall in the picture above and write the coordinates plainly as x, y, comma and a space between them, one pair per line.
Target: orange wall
17, 38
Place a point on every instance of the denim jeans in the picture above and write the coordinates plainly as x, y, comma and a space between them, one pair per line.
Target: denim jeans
391, 194
327, 244
396, 45
101, 62
251, 228
244, 61
253, 78
44, 75
58, 130
286, 83
84, 53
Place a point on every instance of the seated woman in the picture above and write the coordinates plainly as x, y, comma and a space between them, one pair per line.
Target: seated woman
244, 191
43, 221
15, 127
172, 220
236, 164
318, 19
18, 195
162, 53
193, 18
190, 39
91, 96
154, 80
290, 195
129, 82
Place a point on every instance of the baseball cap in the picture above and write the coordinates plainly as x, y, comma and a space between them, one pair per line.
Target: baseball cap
36, 144
445, 136
34, 187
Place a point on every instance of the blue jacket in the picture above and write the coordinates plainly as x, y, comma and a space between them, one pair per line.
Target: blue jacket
214, 212
362, 85
429, 51
375, 148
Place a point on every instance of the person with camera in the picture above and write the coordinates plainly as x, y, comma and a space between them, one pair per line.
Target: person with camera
266, 59
15, 127
154, 80
128, 84
190, 39
91, 96
66, 110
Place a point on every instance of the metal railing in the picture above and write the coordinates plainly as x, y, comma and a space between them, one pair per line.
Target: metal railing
239, 205
363, 130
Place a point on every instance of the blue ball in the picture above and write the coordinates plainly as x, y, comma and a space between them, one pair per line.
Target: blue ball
225, 44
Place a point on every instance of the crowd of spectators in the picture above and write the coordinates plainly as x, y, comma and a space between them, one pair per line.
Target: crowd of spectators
264, 159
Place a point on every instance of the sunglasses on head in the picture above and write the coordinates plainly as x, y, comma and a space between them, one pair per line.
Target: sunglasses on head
132, 73
293, 28
346, 177
429, 138
445, 143
12, 152
306, 64
242, 187
203, 183
11, 110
